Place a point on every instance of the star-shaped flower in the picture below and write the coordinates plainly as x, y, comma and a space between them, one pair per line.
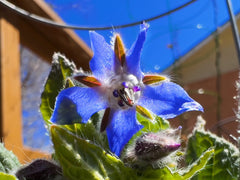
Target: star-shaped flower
118, 85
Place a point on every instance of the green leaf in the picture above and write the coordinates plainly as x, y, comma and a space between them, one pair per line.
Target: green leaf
182, 174
4, 176
81, 159
152, 125
155, 125
69, 83
225, 160
89, 132
8, 161
159, 174
199, 165
62, 68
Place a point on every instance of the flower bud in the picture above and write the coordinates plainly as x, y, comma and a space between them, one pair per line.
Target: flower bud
152, 147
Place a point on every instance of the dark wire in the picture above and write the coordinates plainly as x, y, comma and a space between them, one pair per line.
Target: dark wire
40, 19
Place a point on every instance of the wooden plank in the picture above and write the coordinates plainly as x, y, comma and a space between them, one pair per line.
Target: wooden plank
10, 91
11, 127
63, 40
42, 40
30, 155
35, 41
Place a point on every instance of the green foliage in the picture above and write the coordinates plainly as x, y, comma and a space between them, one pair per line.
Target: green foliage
4, 176
225, 161
89, 132
166, 173
83, 152
62, 68
82, 159
199, 165
8, 161
155, 125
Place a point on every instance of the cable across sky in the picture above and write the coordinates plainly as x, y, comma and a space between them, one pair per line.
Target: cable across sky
40, 19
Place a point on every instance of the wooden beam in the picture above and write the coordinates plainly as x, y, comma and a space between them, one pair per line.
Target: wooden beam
10, 91
63, 40
43, 40
30, 155
35, 41
10, 88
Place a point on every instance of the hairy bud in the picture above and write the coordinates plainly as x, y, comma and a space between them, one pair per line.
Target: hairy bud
151, 147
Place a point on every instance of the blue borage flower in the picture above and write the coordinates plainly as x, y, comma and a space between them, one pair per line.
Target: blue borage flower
118, 85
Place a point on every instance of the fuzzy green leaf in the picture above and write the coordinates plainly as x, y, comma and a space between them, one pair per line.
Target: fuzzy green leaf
199, 165
81, 159
4, 176
89, 132
183, 174
62, 68
155, 125
159, 174
223, 164
8, 161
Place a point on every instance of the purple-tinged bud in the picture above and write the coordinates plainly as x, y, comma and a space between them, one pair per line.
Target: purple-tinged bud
151, 148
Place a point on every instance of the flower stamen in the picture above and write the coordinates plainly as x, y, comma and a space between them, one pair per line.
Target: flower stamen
125, 90
124, 84
136, 89
120, 103
115, 93
126, 95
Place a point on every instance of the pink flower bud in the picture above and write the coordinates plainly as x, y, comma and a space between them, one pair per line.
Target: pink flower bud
151, 147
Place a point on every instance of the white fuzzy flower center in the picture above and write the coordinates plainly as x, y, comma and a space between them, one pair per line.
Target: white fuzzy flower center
124, 91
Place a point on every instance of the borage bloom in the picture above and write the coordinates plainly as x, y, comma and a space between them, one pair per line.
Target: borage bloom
118, 85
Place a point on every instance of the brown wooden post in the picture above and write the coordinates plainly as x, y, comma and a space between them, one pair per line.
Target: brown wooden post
10, 88
42, 40
10, 91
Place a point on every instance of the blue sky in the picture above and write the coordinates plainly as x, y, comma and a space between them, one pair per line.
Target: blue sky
182, 30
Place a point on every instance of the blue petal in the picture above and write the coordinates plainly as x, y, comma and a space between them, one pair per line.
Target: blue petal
133, 56
102, 63
122, 127
77, 104
168, 100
